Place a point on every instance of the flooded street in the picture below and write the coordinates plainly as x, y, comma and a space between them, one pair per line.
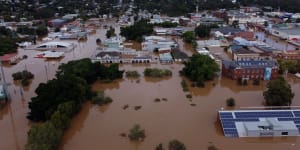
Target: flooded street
100, 127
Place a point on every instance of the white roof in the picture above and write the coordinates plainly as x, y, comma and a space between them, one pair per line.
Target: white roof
154, 38
52, 54
55, 44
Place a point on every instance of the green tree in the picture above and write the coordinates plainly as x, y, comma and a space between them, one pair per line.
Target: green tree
176, 145
189, 36
278, 93
202, 31
136, 133
235, 23
8, 45
63, 89
159, 147
230, 102
155, 72
110, 32
43, 137
200, 68
137, 30
41, 31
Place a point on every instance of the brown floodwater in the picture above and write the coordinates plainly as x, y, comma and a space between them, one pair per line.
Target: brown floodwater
175, 118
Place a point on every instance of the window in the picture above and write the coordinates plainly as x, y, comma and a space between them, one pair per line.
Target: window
284, 133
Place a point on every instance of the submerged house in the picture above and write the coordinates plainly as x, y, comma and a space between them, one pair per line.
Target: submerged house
114, 42
152, 43
108, 57
54, 46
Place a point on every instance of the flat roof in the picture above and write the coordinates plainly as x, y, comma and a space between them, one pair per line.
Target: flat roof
233, 122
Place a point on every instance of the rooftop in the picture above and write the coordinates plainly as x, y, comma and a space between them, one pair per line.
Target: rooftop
236, 122
261, 64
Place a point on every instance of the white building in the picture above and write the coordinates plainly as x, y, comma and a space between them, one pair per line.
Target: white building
152, 43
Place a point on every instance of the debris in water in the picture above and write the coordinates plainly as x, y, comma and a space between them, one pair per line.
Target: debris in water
157, 100
123, 134
125, 106
165, 99
137, 107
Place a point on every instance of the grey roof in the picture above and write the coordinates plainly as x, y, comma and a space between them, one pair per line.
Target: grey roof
290, 31
227, 30
261, 64
243, 50
110, 53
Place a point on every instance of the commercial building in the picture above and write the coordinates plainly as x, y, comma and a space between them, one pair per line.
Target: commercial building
260, 123
262, 69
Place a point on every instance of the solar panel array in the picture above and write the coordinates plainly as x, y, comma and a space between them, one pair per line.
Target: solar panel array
229, 118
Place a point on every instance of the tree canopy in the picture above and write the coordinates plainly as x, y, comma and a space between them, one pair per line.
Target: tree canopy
54, 92
189, 36
200, 68
278, 93
110, 32
137, 30
176, 145
204, 30
71, 84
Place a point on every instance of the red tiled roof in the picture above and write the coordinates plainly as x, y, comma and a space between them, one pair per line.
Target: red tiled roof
246, 35
8, 57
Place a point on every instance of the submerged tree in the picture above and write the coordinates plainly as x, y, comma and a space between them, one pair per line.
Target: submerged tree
200, 68
136, 133
176, 145
278, 93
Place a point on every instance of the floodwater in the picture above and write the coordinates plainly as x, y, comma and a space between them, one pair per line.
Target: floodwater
100, 127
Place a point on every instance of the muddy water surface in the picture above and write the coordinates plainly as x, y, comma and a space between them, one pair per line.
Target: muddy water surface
196, 126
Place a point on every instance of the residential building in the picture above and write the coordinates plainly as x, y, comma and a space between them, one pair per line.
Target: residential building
114, 42
226, 31
9, 58
152, 43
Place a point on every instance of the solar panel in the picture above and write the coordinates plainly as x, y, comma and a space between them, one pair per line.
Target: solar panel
263, 114
296, 113
226, 115
230, 132
229, 126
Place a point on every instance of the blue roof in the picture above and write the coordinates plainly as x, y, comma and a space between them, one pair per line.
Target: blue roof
235, 47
